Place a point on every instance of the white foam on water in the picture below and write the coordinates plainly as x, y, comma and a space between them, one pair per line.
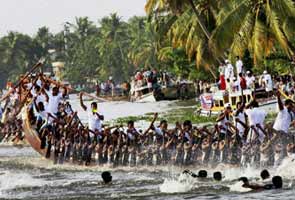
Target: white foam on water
235, 173
175, 186
9, 180
286, 169
237, 187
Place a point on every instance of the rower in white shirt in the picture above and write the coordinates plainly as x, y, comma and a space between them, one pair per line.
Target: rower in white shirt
94, 118
54, 98
285, 118
256, 117
239, 66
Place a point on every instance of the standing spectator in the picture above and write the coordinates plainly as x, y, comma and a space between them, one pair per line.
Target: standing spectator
239, 65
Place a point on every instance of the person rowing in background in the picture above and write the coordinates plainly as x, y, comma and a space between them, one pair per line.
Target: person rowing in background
284, 120
241, 121
94, 118
277, 183
224, 121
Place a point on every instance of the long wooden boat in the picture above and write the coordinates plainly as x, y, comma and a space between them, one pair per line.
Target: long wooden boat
31, 134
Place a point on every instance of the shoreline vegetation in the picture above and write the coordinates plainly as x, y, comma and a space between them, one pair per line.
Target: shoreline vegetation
187, 38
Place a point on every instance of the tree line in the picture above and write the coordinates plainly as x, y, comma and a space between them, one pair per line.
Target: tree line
189, 38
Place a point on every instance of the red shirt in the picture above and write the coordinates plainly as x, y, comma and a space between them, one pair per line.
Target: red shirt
243, 83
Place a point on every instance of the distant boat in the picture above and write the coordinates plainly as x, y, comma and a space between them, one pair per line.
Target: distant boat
213, 103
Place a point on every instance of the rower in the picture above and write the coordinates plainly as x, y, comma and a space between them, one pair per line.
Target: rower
131, 133
54, 98
277, 183
241, 121
255, 116
264, 174
106, 177
217, 176
223, 121
94, 118
201, 174
284, 119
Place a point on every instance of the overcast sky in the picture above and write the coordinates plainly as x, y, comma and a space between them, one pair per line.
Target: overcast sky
28, 15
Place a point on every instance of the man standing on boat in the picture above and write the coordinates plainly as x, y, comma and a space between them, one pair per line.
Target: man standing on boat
285, 119
250, 80
239, 66
94, 118
229, 70
267, 83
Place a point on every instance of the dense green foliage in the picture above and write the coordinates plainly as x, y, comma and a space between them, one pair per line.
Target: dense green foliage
186, 37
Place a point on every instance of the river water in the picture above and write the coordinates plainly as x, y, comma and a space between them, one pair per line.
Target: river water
25, 175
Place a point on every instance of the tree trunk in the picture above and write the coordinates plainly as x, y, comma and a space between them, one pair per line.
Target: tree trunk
206, 32
203, 27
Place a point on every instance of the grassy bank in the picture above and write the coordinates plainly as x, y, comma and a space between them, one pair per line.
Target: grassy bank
184, 110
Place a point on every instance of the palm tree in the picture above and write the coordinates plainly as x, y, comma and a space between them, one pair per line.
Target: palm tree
192, 27
178, 7
17, 54
256, 25
113, 47
144, 43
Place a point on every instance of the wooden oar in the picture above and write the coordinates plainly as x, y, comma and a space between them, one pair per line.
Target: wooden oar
38, 64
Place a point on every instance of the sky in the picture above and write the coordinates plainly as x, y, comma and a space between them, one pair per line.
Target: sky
27, 16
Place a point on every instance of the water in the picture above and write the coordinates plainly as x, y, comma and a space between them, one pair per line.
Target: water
25, 175
120, 109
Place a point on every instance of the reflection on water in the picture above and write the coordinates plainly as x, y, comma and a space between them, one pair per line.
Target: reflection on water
23, 174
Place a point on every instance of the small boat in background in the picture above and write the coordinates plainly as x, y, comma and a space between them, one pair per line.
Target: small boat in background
213, 103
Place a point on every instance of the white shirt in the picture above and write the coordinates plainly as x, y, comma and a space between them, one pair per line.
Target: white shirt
268, 82
256, 116
39, 83
52, 106
283, 120
237, 85
229, 71
93, 121
239, 66
159, 132
223, 124
221, 69
241, 116
250, 81
42, 114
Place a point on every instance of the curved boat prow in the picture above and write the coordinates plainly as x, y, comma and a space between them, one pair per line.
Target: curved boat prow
31, 134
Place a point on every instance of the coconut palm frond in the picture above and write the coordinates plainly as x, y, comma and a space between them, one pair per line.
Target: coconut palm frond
199, 54
222, 37
242, 38
259, 39
276, 27
289, 28
283, 8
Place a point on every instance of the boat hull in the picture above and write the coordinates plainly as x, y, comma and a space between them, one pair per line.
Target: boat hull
31, 134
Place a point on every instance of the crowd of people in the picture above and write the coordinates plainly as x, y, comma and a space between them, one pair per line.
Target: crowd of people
239, 137
234, 79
